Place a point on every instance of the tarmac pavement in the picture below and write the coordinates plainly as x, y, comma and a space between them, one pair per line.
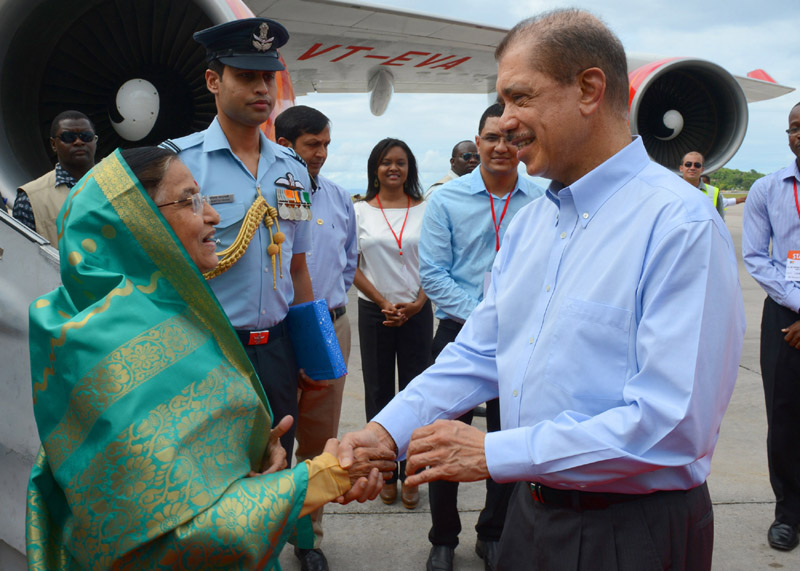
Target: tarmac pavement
377, 536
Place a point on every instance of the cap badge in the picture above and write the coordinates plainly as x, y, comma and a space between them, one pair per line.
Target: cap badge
261, 41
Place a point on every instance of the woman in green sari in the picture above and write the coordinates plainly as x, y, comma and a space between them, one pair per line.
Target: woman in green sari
156, 448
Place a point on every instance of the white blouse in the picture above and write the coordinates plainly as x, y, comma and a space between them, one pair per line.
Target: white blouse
396, 277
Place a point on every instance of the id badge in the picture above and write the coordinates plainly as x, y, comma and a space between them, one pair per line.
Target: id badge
793, 266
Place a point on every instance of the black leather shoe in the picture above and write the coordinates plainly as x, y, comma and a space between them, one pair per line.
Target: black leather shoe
440, 559
782, 536
487, 550
311, 559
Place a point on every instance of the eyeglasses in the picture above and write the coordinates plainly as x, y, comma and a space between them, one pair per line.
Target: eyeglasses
470, 156
198, 203
70, 137
688, 165
792, 131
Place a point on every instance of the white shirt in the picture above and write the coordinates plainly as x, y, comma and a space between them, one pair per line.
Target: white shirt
396, 277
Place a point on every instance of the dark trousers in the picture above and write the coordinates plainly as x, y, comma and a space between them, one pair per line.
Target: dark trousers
276, 367
443, 496
406, 349
663, 530
780, 372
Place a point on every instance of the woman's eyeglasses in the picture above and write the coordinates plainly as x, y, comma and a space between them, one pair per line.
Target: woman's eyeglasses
198, 203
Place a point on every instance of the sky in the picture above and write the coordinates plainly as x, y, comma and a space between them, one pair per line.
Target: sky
739, 35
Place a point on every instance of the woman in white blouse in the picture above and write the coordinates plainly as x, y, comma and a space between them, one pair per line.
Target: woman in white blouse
395, 320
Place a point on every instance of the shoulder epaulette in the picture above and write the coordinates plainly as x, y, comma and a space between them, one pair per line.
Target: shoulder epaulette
289, 152
170, 145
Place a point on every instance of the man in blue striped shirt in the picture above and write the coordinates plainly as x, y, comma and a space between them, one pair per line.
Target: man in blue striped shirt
772, 214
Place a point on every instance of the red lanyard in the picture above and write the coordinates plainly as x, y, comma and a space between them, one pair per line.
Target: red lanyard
400, 239
797, 205
503, 215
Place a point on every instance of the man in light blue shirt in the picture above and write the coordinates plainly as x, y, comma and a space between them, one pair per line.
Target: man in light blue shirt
235, 164
332, 264
772, 217
611, 331
464, 224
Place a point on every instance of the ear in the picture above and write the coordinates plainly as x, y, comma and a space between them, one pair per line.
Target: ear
284, 142
212, 81
478, 142
592, 85
452, 161
53, 145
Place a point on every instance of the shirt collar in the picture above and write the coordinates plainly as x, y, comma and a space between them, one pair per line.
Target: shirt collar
216, 140
476, 184
592, 190
63, 177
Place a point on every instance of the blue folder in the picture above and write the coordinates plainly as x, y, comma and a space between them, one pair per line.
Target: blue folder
314, 340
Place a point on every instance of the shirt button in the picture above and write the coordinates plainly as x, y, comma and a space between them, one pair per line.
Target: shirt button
266, 270
263, 312
547, 288
585, 215
530, 341
515, 392
563, 235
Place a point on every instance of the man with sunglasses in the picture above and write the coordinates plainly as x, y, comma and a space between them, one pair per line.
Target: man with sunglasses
38, 202
772, 218
691, 168
464, 160
462, 230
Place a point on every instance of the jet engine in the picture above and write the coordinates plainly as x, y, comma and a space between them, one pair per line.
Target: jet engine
683, 105
130, 65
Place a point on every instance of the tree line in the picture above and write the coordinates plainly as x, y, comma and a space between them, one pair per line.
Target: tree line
732, 179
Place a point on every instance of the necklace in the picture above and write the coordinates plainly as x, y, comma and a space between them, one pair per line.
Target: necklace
397, 239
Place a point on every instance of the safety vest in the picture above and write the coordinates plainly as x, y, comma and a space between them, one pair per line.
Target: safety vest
714, 192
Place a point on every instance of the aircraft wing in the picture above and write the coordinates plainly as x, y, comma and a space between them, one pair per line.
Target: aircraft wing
338, 46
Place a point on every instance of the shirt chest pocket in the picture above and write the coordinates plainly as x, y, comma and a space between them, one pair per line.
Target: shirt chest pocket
230, 220
588, 358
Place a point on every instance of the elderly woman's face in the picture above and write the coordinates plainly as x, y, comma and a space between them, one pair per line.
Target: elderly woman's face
195, 231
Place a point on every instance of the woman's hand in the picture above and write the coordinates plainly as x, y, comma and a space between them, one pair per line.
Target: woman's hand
408, 310
365, 472
275, 459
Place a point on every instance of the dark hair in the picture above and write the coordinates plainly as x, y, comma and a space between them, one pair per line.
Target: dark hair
702, 156
495, 110
565, 42
464, 142
149, 165
299, 120
216, 66
66, 116
411, 187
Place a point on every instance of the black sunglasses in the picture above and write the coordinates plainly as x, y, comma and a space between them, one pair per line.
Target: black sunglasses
470, 156
70, 137
688, 165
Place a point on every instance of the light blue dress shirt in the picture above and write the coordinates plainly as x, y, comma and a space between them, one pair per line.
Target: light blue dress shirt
611, 332
458, 241
770, 213
246, 291
334, 251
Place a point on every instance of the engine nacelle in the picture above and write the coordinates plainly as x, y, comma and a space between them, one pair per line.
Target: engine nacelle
681, 105
57, 55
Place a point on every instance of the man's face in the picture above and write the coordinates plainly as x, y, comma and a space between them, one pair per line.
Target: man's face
77, 156
794, 139
692, 172
541, 117
461, 165
313, 149
243, 96
497, 155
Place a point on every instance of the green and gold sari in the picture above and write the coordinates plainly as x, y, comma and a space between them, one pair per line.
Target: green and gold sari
149, 411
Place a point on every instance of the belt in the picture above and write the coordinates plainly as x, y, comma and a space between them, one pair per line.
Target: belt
581, 501
263, 336
337, 312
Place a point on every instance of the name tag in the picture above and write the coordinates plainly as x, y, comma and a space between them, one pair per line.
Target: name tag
793, 266
220, 199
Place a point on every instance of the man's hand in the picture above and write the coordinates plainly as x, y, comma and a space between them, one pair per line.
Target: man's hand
363, 486
451, 450
306, 383
369, 452
792, 334
393, 317
275, 459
